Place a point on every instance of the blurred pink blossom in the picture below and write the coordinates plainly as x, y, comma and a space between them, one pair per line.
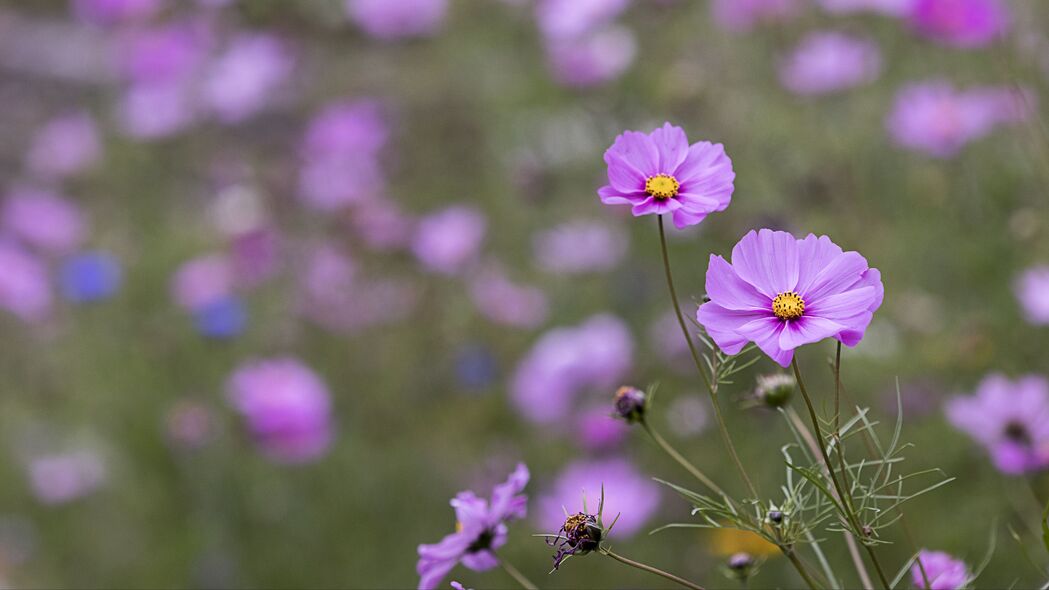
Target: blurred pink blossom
43, 220
828, 61
449, 240
64, 146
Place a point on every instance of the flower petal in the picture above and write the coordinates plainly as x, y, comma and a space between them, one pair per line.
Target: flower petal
653, 205
766, 332
838, 275
637, 150
843, 305
723, 325
672, 145
506, 501
814, 254
807, 330
624, 175
768, 260
725, 288
612, 196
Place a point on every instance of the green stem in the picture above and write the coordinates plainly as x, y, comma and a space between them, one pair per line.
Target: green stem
800, 567
517, 575
651, 570
663, 444
699, 364
846, 500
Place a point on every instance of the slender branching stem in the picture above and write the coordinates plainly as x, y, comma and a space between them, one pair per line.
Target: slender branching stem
798, 565
846, 499
652, 570
699, 365
517, 575
689, 467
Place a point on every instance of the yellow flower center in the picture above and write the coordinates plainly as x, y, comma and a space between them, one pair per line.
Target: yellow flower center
788, 306
662, 186
458, 526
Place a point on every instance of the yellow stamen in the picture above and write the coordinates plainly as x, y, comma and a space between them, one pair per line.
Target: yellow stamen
788, 306
662, 186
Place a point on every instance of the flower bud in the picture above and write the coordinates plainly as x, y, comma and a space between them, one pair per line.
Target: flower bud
741, 566
630, 404
775, 517
775, 390
580, 534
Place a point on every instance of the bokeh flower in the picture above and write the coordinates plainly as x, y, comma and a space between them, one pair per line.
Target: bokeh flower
628, 493
63, 477
65, 145
960, 23
943, 571
340, 155
397, 19
287, 408
480, 530
781, 293
25, 288
660, 172
896, 8
89, 276
561, 19
447, 241
505, 302
829, 61
591, 59
202, 281
580, 246
241, 81
1009, 418
740, 16
43, 220
1032, 291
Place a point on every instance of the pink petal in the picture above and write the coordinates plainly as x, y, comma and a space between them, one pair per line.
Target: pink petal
723, 325
807, 330
765, 333
814, 254
768, 260
672, 145
654, 205
731, 292
622, 174
612, 196
836, 276
637, 150
843, 305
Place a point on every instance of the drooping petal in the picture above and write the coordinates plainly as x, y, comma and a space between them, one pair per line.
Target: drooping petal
506, 501
725, 288
658, 206
684, 218
672, 145
765, 332
855, 328
480, 560
807, 330
768, 260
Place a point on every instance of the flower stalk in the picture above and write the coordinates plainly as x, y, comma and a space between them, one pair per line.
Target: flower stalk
652, 570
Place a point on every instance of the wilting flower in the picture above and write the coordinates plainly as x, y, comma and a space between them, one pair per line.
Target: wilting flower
1010, 419
961, 23
781, 293
480, 530
448, 240
826, 62
579, 247
242, 80
560, 19
580, 534
44, 220
943, 571
64, 477
90, 276
287, 408
1032, 290
934, 118
64, 146
661, 173
397, 19
25, 289
591, 59
743, 15
628, 493
888, 7
566, 361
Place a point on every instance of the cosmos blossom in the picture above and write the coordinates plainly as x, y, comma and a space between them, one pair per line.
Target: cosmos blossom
1010, 419
480, 530
943, 571
781, 293
1032, 290
397, 19
660, 172
828, 61
959, 23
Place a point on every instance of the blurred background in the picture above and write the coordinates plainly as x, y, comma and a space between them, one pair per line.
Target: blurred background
279, 278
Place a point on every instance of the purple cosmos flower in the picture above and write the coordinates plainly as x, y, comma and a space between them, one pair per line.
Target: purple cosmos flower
661, 173
596, 430
887, 7
943, 571
502, 301
397, 19
381, 225
25, 289
164, 54
934, 118
339, 152
287, 408
346, 127
155, 111
244, 78
450, 239
580, 247
480, 530
591, 59
561, 19
43, 220
960, 23
202, 281
628, 493
64, 477
1010, 419
566, 361
111, 12
826, 62
781, 293
64, 146
740, 16
1032, 289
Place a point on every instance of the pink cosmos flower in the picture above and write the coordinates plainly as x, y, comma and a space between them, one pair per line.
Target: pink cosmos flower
397, 19
44, 220
450, 239
243, 79
339, 151
660, 172
628, 493
781, 293
740, 16
64, 477
25, 288
1010, 419
828, 61
1032, 290
202, 281
560, 19
64, 146
287, 407
943, 571
591, 59
934, 118
961, 23
505, 302
580, 247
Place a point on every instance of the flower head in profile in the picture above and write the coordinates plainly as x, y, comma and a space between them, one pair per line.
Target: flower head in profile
480, 529
959, 23
1010, 419
941, 570
781, 293
660, 172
